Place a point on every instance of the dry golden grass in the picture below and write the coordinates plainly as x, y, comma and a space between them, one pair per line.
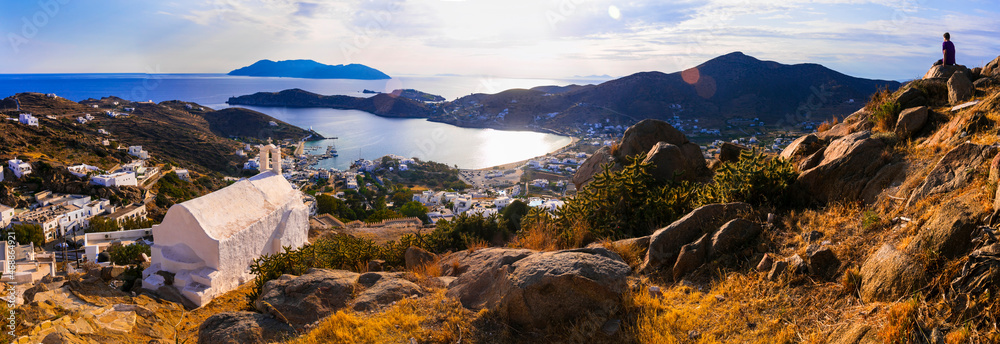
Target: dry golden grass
431, 319
826, 125
631, 254
901, 323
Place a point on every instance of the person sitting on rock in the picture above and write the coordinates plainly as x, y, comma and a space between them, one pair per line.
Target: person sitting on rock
948, 49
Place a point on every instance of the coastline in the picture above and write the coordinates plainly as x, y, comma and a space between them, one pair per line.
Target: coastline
516, 164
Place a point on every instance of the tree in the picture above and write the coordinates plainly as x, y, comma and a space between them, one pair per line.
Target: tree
326, 204
513, 214
402, 197
100, 224
25, 233
126, 254
416, 209
455, 234
382, 214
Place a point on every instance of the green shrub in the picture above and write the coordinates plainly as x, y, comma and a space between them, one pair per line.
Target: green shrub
127, 254
754, 178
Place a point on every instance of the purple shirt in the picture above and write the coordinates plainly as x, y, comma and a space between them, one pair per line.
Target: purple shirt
949, 52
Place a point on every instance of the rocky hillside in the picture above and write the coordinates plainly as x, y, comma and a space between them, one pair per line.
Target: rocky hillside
881, 229
185, 134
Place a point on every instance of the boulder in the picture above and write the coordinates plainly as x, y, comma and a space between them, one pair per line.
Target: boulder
959, 88
375, 264
666, 243
987, 82
478, 272
847, 168
911, 97
889, 275
945, 72
642, 136
242, 328
992, 68
417, 257
994, 175
111, 272
777, 269
369, 279
563, 286
853, 333
797, 265
910, 121
955, 170
803, 146
671, 162
824, 263
691, 257
302, 300
385, 291
732, 236
949, 230
592, 166
730, 152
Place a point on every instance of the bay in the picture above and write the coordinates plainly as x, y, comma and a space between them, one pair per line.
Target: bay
360, 134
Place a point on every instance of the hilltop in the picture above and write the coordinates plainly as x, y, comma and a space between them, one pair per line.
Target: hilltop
309, 69
186, 134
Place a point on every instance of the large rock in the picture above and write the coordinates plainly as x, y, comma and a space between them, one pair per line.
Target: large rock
803, 146
416, 257
824, 263
847, 168
385, 290
242, 328
638, 140
853, 333
671, 162
987, 82
666, 243
955, 170
478, 272
910, 121
945, 72
949, 230
592, 166
959, 88
691, 256
992, 68
732, 236
730, 152
305, 299
559, 287
889, 275
911, 97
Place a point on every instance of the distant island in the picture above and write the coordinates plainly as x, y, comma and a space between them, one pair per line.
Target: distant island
410, 93
382, 104
310, 69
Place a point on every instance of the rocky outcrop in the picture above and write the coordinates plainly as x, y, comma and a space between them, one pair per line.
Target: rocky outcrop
910, 121
305, 299
959, 88
847, 168
557, 287
651, 140
911, 97
666, 243
949, 231
242, 328
953, 171
385, 291
730, 152
671, 162
732, 236
592, 166
691, 256
416, 257
992, 68
803, 146
890, 274
477, 272
945, 72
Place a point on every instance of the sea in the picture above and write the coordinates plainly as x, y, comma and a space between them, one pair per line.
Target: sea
358, 134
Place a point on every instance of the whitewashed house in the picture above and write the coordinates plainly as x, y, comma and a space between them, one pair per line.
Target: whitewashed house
252, 164
28, 119
209, 242
137, 152
502, 202
20, 168
1, 173
81, 170
125, 178
6, 214
183, 175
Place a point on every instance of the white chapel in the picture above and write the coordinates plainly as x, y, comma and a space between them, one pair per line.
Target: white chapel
209, 242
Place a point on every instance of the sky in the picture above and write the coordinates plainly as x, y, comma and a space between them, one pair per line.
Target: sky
886, 39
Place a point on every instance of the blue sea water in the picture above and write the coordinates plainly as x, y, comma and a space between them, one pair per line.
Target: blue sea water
360, 134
